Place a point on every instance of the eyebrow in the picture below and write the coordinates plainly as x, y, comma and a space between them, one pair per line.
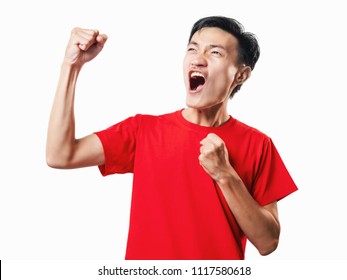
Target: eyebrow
211, 46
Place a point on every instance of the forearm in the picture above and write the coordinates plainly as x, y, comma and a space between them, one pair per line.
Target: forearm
259, 223
61, 127
261, 226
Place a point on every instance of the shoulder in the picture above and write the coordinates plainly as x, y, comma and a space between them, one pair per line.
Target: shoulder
249, 131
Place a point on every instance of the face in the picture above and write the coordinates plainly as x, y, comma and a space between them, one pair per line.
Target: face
210, 68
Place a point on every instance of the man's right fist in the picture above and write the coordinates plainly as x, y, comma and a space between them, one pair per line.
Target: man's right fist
83, 46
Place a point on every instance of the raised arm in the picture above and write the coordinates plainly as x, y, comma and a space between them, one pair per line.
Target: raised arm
63, 150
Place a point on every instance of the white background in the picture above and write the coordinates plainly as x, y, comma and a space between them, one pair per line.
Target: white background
296, 95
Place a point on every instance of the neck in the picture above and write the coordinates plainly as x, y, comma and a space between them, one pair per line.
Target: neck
211, 117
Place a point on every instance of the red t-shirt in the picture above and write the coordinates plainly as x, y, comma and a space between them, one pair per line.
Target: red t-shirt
177, 210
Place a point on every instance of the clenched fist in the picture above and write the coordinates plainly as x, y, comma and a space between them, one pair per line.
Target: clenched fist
214, 157
83, 46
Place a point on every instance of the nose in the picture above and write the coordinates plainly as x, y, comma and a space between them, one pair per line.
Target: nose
198, 61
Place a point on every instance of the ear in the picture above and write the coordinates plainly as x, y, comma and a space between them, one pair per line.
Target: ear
243, 74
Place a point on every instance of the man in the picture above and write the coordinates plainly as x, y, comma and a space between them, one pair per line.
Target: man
204, 182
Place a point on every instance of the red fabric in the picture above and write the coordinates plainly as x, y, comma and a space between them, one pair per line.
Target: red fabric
177, 210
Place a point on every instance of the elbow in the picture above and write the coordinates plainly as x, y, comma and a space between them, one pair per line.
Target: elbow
60, 157
270, 247
55, 161
50, 160
52, 164
269, 241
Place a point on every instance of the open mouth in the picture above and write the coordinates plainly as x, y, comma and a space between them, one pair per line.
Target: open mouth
196, 80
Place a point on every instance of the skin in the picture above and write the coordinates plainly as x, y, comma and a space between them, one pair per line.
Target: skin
213, 53
63, 150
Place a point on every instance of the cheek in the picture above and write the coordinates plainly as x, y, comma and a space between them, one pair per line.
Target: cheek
223, 81
221, 86
231, 74
185, 65
225, 73
185, 62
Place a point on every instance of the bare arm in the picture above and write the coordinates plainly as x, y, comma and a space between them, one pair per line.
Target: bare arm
259, 223
63, 150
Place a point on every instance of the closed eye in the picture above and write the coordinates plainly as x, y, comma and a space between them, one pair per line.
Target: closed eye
216, 53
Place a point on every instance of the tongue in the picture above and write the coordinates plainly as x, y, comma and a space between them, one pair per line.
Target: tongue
196, 82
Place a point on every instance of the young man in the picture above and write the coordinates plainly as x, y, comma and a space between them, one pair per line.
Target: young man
203, 182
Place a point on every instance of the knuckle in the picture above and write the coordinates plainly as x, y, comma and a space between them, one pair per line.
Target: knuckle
220, 145
75, 30
201, 157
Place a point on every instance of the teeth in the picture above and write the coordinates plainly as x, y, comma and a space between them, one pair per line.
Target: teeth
196, 74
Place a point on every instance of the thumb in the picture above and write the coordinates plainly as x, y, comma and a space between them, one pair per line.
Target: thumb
96, 48
100, 41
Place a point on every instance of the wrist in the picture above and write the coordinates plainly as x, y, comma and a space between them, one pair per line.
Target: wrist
73, 67
70, 69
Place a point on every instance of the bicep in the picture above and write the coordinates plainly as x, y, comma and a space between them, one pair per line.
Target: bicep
88, 151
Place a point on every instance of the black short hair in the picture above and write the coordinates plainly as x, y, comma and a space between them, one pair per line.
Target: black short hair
248, 49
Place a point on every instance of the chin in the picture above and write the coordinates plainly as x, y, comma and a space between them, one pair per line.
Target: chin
197, 106
203, 105
194, 104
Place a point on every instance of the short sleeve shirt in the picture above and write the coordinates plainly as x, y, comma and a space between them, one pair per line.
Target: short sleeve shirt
177, 210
